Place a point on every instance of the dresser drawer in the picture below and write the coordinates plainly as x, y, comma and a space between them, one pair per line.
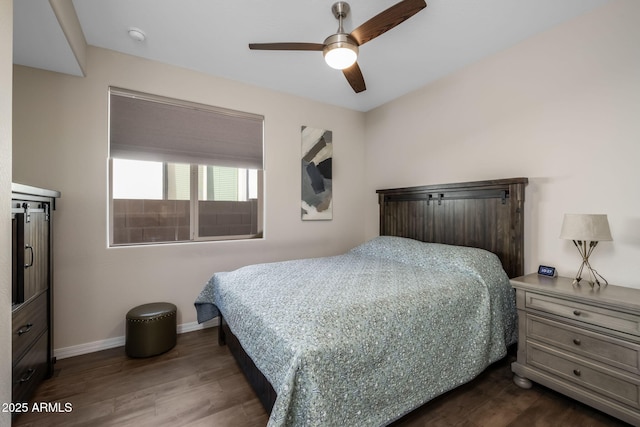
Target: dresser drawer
612, 351
607, 382
29, 320
598, 316
30, 370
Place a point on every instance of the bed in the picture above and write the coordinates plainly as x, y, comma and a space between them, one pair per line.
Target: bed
365, 337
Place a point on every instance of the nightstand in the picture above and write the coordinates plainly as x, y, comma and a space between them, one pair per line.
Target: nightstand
580, 341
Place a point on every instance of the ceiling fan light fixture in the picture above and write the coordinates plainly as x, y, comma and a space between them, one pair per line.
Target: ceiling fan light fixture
340, 51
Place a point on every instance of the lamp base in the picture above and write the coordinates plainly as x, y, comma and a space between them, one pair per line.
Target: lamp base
585, 248
595, 277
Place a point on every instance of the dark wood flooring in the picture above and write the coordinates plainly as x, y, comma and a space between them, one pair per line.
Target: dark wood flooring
197, 383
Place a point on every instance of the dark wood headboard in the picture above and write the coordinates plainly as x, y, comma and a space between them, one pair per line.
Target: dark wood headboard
481, 214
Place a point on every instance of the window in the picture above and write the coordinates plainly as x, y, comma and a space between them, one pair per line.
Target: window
181, 171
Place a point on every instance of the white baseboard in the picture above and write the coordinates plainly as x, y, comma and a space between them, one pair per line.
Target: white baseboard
195, 326
77, 350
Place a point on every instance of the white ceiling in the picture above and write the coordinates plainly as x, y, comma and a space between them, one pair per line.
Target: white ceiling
212, 37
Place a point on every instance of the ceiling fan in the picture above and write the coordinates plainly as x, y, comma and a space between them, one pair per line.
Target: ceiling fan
340, 50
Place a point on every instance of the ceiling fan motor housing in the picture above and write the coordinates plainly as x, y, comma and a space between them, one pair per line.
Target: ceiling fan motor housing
340, 40
344, 44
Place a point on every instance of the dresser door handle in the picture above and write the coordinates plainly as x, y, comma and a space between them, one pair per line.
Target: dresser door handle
27, 376
577, 312
576, 341
577, 372
30, 249
26, 329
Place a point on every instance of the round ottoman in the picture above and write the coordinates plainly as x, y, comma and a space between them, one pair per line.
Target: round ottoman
151, 329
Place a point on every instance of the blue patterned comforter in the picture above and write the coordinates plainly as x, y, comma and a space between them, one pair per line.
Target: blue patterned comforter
362, 338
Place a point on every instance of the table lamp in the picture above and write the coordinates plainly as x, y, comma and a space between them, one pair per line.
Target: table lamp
586, 230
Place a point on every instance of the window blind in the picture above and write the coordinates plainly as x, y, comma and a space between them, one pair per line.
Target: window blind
147, 127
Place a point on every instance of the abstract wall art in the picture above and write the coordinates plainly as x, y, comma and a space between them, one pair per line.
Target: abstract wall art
317, 185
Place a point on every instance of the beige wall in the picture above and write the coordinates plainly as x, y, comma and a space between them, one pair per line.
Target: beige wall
6, 71
60, 142
562, 109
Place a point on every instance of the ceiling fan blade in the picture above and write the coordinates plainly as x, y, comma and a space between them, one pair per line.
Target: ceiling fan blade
355, 78
386, 20
286, 46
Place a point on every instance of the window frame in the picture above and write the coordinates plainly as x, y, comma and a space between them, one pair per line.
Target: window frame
194, 217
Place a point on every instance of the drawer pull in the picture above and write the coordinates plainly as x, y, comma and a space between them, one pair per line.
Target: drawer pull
27, 375
576, 341
577, 372
577, 312
26, 328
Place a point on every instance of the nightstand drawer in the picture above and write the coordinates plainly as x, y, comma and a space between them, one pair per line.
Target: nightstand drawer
624, 389
603, 317
612, 351
28, 323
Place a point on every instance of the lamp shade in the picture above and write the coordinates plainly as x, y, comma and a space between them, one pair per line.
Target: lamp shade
587, 227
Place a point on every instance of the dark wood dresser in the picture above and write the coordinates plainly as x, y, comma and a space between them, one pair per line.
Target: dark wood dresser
32, 288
